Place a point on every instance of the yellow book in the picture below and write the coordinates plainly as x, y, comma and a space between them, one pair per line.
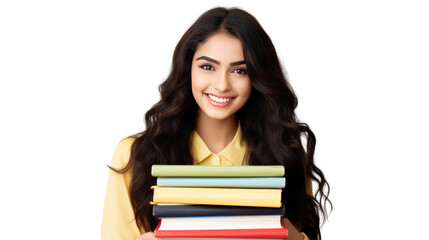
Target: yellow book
218, 196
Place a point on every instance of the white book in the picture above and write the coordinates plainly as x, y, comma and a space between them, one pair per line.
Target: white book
221, 222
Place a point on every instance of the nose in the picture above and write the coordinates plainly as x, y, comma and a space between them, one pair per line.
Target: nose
222, 82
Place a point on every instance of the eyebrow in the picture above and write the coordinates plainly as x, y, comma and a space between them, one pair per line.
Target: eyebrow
217, 62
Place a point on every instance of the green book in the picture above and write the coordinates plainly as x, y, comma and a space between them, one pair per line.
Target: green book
217, 171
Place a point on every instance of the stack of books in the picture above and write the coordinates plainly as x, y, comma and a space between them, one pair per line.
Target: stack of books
218, 202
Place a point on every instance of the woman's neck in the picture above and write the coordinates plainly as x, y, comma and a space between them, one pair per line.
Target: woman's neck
216, 134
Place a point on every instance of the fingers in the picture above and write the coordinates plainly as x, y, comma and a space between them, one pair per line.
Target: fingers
147, 236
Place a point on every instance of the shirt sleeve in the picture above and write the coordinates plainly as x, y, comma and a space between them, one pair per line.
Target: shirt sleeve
118, 216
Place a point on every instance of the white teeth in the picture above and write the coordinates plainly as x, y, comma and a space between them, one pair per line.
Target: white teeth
217, 99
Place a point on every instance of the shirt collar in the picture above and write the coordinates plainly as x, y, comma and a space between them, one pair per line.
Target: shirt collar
234, 152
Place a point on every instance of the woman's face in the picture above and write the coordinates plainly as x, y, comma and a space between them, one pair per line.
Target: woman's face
220, 83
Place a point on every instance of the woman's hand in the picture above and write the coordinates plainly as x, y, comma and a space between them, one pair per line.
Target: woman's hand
147, 236
293, 233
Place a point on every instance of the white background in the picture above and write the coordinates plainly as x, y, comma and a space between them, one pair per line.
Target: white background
77, 76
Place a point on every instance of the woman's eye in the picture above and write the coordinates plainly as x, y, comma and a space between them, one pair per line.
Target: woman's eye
207, 67
240, 71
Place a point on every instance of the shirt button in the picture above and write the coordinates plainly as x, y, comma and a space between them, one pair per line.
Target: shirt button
216, 160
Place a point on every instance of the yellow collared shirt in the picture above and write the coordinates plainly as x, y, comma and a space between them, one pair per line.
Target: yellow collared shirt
232, 154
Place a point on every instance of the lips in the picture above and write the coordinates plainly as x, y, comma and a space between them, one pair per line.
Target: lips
218, 101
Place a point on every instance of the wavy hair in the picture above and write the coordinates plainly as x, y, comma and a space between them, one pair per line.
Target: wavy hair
270, 127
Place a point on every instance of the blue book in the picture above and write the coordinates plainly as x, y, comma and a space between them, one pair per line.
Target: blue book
230, 182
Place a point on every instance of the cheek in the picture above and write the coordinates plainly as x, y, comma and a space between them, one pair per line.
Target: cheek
198, 81
194, 80
197, 85
245, 88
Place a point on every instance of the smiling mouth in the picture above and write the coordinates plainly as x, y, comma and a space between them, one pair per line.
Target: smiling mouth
219, 99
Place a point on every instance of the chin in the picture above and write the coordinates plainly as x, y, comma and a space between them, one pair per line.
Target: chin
219, 116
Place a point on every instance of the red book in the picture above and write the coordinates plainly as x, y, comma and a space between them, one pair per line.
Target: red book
223, 233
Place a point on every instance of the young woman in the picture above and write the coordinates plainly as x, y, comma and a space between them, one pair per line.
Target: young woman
225, 102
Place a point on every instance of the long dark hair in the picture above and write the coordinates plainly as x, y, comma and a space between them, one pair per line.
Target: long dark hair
270, 128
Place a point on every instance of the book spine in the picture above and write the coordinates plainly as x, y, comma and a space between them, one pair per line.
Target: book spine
221, 222
226, 233
233, 182
217, 171
218, 196
174, 238
207, 210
